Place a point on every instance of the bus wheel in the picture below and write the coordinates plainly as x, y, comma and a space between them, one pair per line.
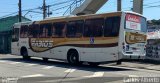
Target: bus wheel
119, 62
94, 64
45, 59
73, 57
24, 54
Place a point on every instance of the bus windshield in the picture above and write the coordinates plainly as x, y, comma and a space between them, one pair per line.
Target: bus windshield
135, 22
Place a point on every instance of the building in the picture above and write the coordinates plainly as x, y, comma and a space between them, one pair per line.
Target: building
153, 42
153, 28
153, 31
6, 32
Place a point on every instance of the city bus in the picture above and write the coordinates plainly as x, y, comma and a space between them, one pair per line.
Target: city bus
93, 39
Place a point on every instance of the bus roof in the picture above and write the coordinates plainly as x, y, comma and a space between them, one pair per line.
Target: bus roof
82, 17
133, 13
24, 23
92, 14
74, 17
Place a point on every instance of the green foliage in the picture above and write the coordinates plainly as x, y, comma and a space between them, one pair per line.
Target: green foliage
155, 22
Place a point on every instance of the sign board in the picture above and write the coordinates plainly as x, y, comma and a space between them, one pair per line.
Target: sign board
153, 35
91, 40
132, 38
133, 22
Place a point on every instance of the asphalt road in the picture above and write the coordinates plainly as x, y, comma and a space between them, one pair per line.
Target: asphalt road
13, 69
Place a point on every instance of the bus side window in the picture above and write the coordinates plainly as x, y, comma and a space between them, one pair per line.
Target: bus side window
112, 26
33, 31
24, 31
45, 30
30, 31
15, 35
94, 27
74, 29
59, 29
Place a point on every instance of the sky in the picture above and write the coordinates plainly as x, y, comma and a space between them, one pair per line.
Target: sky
151, 8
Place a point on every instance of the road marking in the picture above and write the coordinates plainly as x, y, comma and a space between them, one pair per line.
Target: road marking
13, 63
48, 67
127, 74
35, 75
133, 76
3, 61
70, 70
31, 64
96, 74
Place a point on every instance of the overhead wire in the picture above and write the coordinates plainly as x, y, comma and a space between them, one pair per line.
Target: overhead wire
155, 6
147, 5
60, 3
150, 5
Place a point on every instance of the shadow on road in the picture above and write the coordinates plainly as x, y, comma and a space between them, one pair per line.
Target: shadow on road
146, 61
66, 65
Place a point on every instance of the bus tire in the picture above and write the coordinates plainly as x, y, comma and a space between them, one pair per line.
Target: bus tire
119, 62
45, 59
24, 53
73, 57
94, 64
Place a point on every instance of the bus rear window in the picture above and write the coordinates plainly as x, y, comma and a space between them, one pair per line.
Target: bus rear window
135, 22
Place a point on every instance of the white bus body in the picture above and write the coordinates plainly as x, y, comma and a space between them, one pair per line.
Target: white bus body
129, 44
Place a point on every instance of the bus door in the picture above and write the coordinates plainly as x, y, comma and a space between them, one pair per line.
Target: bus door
15, 41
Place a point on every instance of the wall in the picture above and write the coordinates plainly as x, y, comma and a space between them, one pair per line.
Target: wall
6, 32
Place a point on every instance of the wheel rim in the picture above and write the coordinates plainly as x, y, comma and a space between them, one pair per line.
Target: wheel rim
73, 58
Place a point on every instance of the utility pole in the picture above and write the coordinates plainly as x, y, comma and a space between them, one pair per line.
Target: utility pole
48, 10
119, 5
20, 10
138, 6
44, 9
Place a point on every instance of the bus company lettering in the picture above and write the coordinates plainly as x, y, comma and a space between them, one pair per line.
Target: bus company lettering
42, 43
133, 18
